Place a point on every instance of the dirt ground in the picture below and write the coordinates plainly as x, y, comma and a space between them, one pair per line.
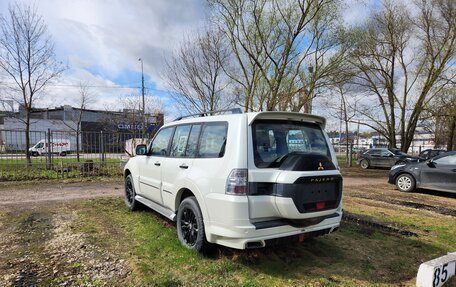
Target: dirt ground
47, 193
28, 196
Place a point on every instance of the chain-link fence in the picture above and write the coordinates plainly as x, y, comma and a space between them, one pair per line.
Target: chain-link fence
63, 154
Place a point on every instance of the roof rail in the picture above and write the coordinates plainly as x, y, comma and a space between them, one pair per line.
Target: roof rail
211, 113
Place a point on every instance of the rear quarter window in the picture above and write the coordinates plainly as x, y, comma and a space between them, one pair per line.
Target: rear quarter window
213, 140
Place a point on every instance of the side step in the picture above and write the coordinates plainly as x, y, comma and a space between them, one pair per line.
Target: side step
158, 208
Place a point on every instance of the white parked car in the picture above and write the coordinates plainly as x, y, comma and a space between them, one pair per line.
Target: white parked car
241, 180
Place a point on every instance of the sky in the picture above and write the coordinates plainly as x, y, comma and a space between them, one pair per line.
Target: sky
100, 42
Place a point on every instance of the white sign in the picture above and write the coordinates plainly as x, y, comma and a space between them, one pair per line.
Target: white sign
437, 272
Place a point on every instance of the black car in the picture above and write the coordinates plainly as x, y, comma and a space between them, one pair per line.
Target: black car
384, 157
438, 173
430, 153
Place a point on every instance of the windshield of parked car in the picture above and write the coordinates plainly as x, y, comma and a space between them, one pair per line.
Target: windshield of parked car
272, 140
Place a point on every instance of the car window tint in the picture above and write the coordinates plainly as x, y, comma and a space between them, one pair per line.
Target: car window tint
450, 159
179, 142
213, 140
385, 153
275, 139
193, 141
160, 144
373, 152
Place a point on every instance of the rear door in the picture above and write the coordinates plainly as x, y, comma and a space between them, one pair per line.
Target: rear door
293, 173
374, 156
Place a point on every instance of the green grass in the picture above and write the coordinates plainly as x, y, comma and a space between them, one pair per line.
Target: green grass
16, 169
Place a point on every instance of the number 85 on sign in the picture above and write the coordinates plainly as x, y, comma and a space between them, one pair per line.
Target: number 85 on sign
436, 272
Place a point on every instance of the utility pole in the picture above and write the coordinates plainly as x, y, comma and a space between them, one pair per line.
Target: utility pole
142, 93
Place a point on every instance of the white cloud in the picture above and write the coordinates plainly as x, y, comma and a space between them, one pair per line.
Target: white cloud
102, 40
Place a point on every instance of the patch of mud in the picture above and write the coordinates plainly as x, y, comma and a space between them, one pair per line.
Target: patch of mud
436, 209
382, 198
75, 261
375, 225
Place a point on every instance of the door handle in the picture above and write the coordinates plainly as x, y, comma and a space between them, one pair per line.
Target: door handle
157, 163
184, 166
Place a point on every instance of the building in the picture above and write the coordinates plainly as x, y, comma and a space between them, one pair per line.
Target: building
117, 126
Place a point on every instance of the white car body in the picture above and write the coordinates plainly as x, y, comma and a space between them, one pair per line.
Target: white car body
237, 221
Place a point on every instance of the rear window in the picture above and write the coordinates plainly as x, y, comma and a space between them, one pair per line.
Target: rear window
272, 140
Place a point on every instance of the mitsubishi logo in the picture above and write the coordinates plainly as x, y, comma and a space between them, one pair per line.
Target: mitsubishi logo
320, 166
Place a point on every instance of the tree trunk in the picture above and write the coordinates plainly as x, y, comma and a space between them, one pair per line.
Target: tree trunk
77, 144
27, 138
451, 143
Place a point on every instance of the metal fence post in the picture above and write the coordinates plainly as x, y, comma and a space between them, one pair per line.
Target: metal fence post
49, 150
102, 148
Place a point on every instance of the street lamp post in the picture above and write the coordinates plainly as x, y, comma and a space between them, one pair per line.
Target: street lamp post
142, 93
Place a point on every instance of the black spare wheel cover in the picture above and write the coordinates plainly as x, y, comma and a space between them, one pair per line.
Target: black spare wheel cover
302, 161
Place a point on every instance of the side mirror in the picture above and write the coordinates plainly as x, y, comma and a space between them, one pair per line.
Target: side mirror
430, 163
141, 149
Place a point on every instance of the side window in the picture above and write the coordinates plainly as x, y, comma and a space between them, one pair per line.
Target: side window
180, 141
213, 140
385, 153
373, 152
450, 159
160, 144
193, 141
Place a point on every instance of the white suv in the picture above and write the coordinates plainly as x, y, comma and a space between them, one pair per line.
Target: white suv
242, 180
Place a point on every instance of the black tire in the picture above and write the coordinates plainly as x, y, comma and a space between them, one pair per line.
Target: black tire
400, 162
130, 194
405, 182
63, 153
190, 225
35, 153
364, 164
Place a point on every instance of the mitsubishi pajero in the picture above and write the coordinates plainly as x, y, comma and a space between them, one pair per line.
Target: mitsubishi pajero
242, 180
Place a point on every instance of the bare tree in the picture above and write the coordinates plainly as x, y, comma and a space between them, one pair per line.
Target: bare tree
27, 57
195, 73
403, 61
285, 51
84, 99
440, 118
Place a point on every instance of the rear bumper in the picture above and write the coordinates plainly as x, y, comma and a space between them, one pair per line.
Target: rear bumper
255, 235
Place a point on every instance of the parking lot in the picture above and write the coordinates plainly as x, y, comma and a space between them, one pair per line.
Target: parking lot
80, 233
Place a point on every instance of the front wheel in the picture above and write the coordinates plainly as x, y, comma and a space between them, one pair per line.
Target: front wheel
190, 225
130, 194
405, 182
364, 164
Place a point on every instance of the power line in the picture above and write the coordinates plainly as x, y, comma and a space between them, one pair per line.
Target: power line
77, 86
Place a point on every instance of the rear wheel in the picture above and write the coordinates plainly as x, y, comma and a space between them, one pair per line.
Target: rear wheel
400, 162
364, 163
190, 225
405, 182
63, 153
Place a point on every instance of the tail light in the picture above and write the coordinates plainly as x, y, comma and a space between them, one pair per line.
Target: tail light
236, 183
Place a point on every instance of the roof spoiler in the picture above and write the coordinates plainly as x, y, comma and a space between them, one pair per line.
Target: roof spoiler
292, 116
